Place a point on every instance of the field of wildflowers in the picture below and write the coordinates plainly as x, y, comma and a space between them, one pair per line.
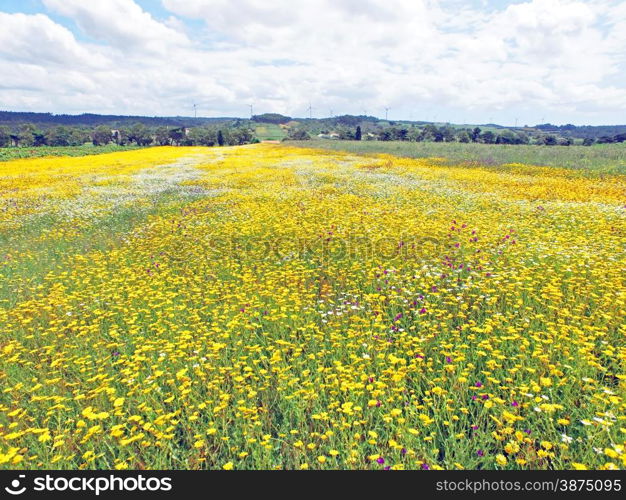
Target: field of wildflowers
271, 307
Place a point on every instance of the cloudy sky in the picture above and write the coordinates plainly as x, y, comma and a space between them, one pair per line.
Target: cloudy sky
444, 60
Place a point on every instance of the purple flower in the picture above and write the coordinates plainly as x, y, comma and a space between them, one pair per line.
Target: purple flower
425, 467
515, 404
479, 384
480, 453
380, 460
448, 359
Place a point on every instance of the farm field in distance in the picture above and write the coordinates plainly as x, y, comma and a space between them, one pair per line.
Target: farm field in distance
605, 158
7, 154
277, 307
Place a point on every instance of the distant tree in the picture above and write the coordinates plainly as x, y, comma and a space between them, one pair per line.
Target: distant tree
101, 136
220, 138
345, 134
522, 137
176, 135
415, 134
488, 137
447, 133
588, 141
299, 134
463, 136
385, 135
39, 138
506, 137
121, 136
475, 134
241, 136
26, 135
400, 134
162, 135
140, 135
550, 140
78, 137
203, 136
619, 138
359, 134
430, 132
58, 136
274, 118
605, 139
5, 136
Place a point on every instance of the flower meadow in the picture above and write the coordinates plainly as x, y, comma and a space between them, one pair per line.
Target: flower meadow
273, 307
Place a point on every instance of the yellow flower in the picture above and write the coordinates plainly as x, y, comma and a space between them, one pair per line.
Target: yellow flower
512, 448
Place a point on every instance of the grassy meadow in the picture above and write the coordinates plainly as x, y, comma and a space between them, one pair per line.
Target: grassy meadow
269, 132
278, 307
8, 154
603, 158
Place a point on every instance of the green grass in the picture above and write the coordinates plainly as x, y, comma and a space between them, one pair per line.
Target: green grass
605, 158
8, 154
270, 132
38, 256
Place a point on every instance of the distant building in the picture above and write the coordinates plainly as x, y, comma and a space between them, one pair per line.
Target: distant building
332, 135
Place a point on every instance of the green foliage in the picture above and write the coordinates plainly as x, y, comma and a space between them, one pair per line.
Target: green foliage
8, 154
274, 118
101, 136
298, 134
605, 158
5, 136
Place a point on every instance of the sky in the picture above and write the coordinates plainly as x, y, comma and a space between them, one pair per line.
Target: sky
471, 61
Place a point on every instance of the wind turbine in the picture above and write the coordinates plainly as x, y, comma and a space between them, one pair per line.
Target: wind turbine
195, 110
387, 114
310, 111
251, 106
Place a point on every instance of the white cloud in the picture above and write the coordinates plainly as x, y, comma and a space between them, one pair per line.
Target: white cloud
559, 58
122, 23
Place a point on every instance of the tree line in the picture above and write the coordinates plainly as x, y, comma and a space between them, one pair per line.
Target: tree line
445, 133
29, 135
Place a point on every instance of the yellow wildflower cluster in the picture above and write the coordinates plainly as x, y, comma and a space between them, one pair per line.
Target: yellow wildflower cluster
274, 307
